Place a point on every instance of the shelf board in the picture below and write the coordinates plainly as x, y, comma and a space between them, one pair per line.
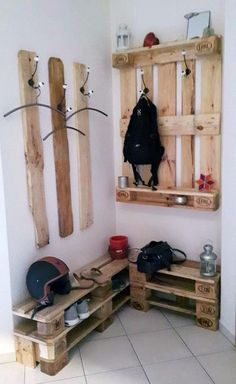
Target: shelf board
167, 52
165, 287
171, 305
165, 197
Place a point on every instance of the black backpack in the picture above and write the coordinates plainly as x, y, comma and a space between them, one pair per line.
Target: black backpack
142, 143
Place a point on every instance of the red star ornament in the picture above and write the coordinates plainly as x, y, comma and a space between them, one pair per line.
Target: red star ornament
205, 182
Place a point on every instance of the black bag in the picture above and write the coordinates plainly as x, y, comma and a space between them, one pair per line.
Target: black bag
142, 143
157, 255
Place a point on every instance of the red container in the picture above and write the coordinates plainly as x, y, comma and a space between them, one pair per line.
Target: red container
118, 242
118, 247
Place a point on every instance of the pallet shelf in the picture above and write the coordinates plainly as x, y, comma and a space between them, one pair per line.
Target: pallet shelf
197, 125
182, 289
166, 197
46, 340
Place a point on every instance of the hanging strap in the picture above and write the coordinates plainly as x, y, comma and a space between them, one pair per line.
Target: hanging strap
137, 176
182, 253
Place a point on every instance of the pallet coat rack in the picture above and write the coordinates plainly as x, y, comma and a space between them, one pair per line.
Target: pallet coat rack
188, 125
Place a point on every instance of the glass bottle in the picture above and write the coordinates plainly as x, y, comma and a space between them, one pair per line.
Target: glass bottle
122, 37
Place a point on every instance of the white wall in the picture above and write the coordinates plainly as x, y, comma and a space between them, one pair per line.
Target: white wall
73, 30
185, 229
6, 322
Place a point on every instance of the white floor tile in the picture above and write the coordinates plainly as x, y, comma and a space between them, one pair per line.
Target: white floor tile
184, 371
202, 341
115, 329
159, 346
72, 369
75, 380
137, 321
122, 376
108, 354
178, 319
220, 366
12, 373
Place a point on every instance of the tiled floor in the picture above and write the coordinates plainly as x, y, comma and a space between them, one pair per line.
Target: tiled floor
156, 347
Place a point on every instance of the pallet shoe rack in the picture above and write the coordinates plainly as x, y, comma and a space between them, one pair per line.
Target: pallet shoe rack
195, 126
46, 340
182, 289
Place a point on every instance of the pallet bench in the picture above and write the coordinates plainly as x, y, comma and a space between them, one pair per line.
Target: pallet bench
182, 289
46, 340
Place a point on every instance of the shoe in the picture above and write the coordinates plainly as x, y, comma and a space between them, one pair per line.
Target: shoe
79, 282
71, 316
82, 309
96, 275
118, 284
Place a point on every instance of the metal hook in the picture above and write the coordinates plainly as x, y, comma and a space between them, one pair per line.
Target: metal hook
185, 72
145, 89
82, 89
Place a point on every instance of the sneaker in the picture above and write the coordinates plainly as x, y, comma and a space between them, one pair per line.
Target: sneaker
71, 316
83, 309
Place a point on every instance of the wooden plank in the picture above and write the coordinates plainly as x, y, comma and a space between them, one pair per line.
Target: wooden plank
171, 305
52, 367
189, 273
60, 146
207, 290
53, 351
208, 322
128, 102
175, 291
104, 311
199, 125
167, 52
207, 309
210, 103
83, 150
33, 149
25, 352
187, 142
172, 191
167, 107
53, 328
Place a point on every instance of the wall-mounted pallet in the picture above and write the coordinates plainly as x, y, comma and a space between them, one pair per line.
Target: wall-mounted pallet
166, 197
167, 52
195, 125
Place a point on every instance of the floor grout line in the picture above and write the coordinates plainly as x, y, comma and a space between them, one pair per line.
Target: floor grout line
82, 363
134, 350
194, 356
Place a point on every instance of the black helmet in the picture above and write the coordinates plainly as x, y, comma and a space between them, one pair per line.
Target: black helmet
45, 276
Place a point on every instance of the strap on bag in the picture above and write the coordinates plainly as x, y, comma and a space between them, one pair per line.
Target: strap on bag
182, 253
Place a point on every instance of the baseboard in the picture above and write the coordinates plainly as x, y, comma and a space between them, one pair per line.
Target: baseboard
227, 334
7, 357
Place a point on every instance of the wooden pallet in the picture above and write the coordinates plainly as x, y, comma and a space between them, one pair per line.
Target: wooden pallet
46, 340
194, 126
182, 289
166, 197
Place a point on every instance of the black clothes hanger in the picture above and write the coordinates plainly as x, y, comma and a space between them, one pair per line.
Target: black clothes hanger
31, 83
